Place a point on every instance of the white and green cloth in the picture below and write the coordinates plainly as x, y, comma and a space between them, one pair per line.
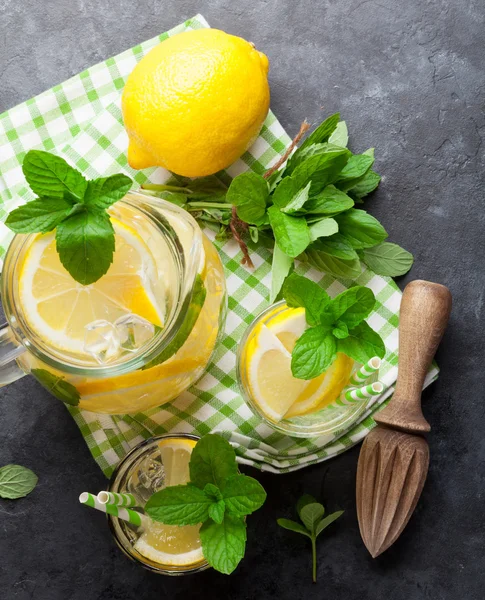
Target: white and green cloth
81, 120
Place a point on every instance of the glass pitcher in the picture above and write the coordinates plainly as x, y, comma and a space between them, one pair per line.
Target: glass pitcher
136, 338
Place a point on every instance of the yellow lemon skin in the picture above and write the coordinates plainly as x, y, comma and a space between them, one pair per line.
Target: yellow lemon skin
195, 103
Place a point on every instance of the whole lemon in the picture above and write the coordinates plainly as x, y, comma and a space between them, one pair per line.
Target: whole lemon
195, 103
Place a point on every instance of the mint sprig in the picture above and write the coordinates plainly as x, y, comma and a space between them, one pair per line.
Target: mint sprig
76, 208
218, 497
336, 325
312, 524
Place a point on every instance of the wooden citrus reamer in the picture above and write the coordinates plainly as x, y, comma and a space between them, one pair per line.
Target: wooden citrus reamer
394, 458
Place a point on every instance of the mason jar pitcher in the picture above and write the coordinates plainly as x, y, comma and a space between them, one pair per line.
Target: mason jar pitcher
136, 338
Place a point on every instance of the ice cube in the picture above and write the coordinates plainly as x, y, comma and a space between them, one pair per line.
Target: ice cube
133, 331
148, 478
102, 341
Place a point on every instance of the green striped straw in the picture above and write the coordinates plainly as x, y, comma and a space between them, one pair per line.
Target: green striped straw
117, 499
133, 517
363, 393
373, 365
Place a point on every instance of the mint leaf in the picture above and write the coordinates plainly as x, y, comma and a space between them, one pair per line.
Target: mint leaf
300, 291
196, 303
366, 185
284, 192
103, 192
179, 505
57, 386
323, 228
213, 492
357, 166
298, 200
16, 481
362, 343
330, 201
337, 246
320, 168
292, 526
41, 215
314, 351
361, 229
224, 544
85, 243
324, 523
311, 515
50, 175
217, 510
388, 259
280, 267
249, 193
291, 233
243, 495
213, 460
303, 501
218, 506
352, 306
348, 269
322, 132
340, 331
340, 135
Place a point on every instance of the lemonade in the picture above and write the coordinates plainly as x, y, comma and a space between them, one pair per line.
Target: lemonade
137, 337
294, 406
159, 463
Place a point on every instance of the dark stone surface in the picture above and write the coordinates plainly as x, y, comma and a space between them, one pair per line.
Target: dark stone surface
408, 77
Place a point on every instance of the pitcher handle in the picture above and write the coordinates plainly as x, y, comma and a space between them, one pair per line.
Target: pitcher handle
10, 349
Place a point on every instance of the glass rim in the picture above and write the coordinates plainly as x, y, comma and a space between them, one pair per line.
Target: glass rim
28, 338
124, 544
287, 427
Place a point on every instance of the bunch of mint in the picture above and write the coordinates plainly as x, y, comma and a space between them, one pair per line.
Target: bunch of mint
309, 206
76, 208
218, 496
335, 326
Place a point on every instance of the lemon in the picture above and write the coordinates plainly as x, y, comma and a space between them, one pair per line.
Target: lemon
268, 357
195, 103
175, 455
57, 307
171, 545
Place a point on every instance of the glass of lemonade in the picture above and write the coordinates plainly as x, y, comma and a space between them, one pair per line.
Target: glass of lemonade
296, 407
136, 338
154, 464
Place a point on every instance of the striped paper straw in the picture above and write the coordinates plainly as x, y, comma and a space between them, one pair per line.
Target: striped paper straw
373, 365
358, 394
133, 517
117, 499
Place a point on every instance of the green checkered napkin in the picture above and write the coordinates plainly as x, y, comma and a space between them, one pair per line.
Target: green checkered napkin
81, 119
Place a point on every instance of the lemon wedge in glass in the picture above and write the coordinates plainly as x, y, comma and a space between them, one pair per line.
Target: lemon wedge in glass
273, 388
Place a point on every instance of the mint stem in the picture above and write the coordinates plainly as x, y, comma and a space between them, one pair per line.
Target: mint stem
314, 559
159, 187
199, 205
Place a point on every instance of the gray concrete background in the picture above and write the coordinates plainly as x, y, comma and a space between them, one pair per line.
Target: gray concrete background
408, 77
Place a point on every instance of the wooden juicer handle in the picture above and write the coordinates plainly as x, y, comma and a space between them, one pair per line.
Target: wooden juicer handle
424, 313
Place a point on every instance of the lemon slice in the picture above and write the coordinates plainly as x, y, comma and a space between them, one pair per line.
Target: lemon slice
277, 393
58, 308
175, 459
269, 372
171, 545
